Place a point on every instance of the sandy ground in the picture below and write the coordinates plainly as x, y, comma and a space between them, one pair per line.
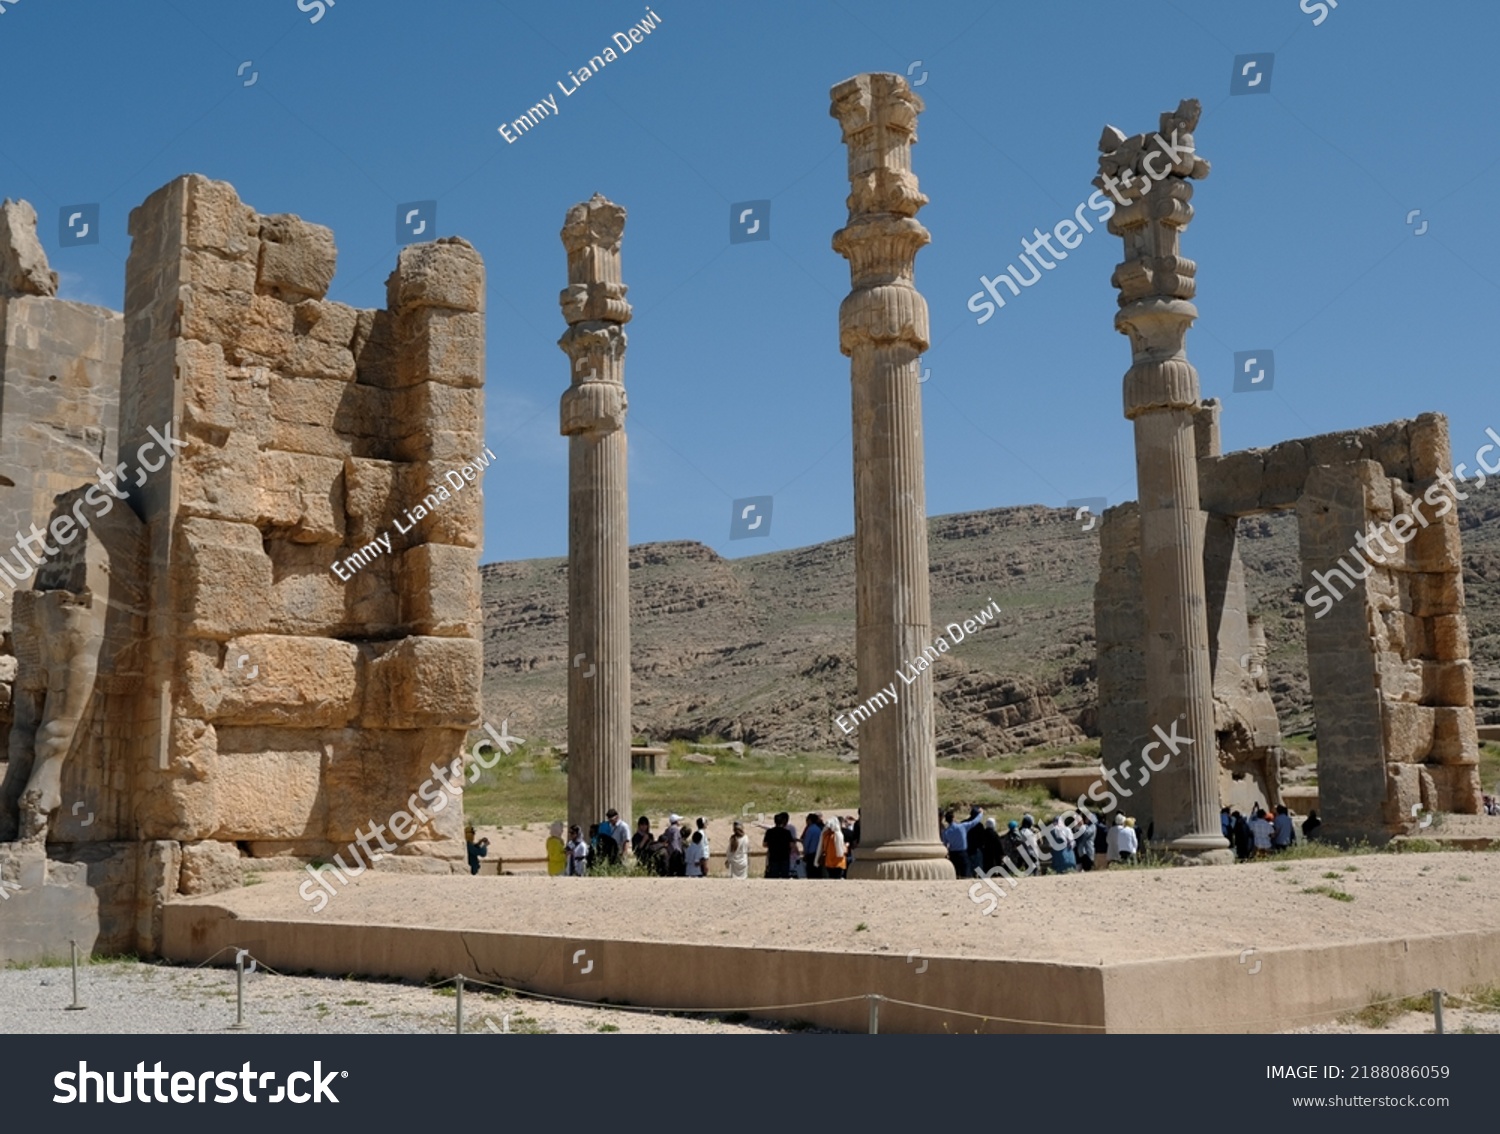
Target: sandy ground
1105, 917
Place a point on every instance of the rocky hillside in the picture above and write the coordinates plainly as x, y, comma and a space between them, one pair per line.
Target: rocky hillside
762, 649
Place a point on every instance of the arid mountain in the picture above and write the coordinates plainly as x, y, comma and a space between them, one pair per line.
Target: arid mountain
762, 649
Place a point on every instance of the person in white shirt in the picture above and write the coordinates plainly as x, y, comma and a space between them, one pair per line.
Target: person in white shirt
577, 852
697, 856
708, 851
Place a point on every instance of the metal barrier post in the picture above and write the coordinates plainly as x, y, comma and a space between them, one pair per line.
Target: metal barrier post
75, 1006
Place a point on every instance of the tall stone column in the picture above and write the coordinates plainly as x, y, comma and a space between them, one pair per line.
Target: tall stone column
593, 420
1148, 178
883, 330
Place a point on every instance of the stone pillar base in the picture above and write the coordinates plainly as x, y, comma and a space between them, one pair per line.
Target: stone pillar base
1201, 850
902, 862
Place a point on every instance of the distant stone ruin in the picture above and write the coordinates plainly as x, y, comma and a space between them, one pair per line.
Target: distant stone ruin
1388, 649
261, 632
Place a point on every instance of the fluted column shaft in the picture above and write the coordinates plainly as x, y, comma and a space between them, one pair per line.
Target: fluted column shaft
883, 330
593, 420
1148, 178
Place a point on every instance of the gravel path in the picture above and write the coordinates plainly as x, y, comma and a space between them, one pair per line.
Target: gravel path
129, 997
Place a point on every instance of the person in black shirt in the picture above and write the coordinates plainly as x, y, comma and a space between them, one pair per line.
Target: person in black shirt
780, 845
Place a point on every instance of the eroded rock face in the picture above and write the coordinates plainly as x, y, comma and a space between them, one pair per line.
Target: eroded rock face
23, 262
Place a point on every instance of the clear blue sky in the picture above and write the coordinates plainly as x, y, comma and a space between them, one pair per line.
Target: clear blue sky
736, 384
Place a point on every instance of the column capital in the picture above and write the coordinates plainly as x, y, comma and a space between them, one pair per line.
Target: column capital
878, 113
591, 234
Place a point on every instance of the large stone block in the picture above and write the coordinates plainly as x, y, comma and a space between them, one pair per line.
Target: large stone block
268, 784
447, 273
439, 345
373, 494
210, 868
434, 408
1447, 637
1456, 788
216, 221
23, 263
212, 272
1430, 452
1455, 736
302, 497
1448, 683
308, 597
217, 481
440, 593
295, 682
297, 259
214, 316
1408, 732
224, 577
423, 683
459, 518
388, 772
1404, 796
1436, 547
1428, 594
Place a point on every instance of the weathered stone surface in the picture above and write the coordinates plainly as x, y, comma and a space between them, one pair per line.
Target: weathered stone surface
440, 345
225, 578
440, 591
209, 868
297, 259
422, 682
300, 682
23, 263
1455, 738
301, 497
447, 273
1408, 731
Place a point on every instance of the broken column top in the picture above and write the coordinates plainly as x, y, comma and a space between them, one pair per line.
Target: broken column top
1125, 159
23, 263
591, 234
878, 113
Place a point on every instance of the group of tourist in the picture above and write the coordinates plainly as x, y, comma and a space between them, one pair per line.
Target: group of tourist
1262, 833
823, 848
820, 850
1075, 841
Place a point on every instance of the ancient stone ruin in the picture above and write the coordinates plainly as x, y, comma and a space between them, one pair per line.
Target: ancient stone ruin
1392, 686
261, 631
883, 330
593, 420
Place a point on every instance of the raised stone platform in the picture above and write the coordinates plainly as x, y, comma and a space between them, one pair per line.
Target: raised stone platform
1238, 949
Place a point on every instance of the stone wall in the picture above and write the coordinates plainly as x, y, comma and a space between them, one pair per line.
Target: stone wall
288, 706
1388, 661
283, 609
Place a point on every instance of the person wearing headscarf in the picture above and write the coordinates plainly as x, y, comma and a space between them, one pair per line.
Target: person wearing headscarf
832, 857
557, 851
